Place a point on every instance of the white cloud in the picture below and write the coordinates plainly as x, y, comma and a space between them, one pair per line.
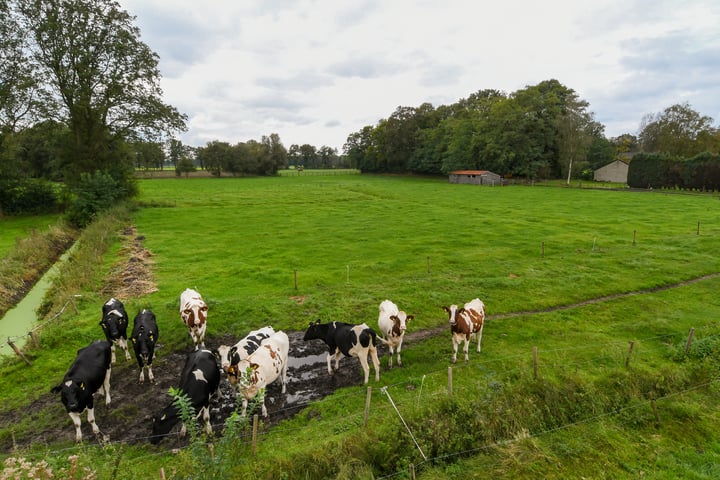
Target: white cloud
315, 71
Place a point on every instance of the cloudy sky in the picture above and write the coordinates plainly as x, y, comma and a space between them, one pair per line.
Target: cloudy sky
315, 71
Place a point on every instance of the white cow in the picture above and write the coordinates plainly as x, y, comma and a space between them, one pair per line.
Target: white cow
465, 323
392, 323
230, 356
265, 365
193, 312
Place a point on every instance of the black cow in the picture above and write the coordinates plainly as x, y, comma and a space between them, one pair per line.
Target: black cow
114, 323
89, 373
348, 339
144, 336
200, 379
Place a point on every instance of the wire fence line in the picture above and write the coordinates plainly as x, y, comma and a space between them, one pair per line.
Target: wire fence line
407, 394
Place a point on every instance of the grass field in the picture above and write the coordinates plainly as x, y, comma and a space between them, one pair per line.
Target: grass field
287, 251
12, 228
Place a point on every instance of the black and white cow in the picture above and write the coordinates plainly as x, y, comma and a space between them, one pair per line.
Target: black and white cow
114, 323
199, 381
265, 365
230, 356
144, 337
89, 373
349, 340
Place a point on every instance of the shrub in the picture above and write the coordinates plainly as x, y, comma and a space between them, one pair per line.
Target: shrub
28, 196
94, 193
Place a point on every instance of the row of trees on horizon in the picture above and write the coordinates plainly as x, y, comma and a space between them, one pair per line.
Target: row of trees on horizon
80, 94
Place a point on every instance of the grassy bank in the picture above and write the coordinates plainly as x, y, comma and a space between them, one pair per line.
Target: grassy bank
287, 251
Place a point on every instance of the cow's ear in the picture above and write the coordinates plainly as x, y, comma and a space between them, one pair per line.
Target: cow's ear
394, 318
446, 309
152, 337
233, 350
317, 322
56, 388
409, 317
82, 385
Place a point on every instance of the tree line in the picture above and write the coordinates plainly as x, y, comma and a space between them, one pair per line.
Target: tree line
540, 131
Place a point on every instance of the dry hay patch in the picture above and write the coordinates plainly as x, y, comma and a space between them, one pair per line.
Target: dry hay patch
132, 276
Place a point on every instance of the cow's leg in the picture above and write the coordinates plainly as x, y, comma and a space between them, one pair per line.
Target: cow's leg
183, 430
466, 346
329, 362
106, 386
376, 362
244, 407
338, 354
91, 420
151, 378
456, 343
479, 334
283, 378
123, 344
264, 410
205, 412
112, 352
390, 362
399, 348
75, 417
364, 362
142, 375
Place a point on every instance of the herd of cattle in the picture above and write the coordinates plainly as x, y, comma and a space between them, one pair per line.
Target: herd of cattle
250, 365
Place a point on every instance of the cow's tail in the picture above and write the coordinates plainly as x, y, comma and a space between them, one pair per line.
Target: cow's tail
380, 337
374, 340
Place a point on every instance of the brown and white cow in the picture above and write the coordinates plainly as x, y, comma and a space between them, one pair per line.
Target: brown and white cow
465, 323
230, 356
349, 340
193, 312
392, 323
265, 365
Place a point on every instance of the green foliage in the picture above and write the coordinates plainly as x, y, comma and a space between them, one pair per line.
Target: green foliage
94, 193
653, 170
29, 197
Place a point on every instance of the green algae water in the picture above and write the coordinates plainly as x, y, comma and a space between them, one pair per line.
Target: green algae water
18, 321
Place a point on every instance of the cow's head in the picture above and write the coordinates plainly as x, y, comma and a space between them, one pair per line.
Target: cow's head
400, 322
314, 331
162, 423
452, 312
194, 312
74, 394
110, 324
229, 359
144, 343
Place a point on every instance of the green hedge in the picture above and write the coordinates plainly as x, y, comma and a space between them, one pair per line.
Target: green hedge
659, 170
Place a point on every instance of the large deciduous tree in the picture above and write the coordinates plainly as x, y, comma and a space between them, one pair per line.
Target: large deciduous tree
99, 78
678, 130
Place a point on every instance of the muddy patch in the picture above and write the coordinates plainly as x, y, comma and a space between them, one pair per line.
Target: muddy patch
127, 419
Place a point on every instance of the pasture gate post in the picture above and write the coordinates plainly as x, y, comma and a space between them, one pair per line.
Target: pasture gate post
254, 434
535, 363
367, 405
450, 381
689, 340
629, 354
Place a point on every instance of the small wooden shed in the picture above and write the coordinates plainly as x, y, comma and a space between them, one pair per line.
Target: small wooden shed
616, 171
477, 177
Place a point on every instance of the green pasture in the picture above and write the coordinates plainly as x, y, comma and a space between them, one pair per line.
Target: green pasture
287, 251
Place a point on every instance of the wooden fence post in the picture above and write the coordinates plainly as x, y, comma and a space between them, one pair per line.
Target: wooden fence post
543, 249
295, 275
629, 354
412, 471
689, 340
450, 381
634, 233
162, 473
428, 264
367, 405
535, 362
254, 434
655, 412
17, 351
